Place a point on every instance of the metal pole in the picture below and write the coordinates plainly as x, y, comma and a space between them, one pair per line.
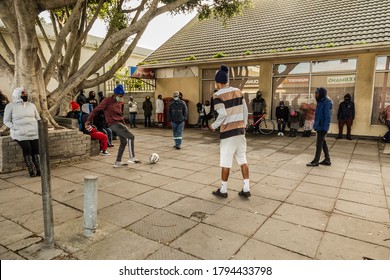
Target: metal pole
45, 181
90, 205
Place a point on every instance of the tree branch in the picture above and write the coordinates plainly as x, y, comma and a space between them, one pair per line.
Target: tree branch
8, 52
6, 68
44, 35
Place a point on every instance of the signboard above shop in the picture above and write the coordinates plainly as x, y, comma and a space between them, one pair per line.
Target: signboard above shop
141, 72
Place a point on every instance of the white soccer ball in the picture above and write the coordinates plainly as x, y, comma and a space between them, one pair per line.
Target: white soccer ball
153, 158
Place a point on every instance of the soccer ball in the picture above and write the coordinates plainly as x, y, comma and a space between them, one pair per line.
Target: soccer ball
153, 158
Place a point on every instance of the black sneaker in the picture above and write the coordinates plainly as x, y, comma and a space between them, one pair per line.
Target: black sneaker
313, 163
218, 193
325, 162
244, 194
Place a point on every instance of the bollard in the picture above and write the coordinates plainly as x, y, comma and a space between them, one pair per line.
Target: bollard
90, 205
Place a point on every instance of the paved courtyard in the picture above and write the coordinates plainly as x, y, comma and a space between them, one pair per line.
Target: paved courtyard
166, 210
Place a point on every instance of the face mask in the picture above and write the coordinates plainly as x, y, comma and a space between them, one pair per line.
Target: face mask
176, 98
24, 98
119, 99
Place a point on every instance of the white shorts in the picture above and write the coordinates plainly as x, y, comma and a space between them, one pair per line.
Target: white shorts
232, 146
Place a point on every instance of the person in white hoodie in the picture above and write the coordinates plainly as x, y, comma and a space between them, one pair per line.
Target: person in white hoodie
21, 117
159, 109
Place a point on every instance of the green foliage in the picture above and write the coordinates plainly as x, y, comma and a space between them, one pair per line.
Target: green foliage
272, 51
330, 45
317, 47
248, 52
288, 49
360, 43
191, 57
219, 54
305, 47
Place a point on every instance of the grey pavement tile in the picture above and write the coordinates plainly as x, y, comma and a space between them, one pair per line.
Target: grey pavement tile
66, 170
167, 253
106, 181
335, 247
212, 170
63, 190
121, 245
284, 183
126, 189
289, 236
202, 178
11, 232
154, 180
158, 167
162, 226
363, 177
287, 173
385, 171
362, 187
13, 193
183, 187
257, 250
236, 220
363, 197
188, 206
9, 255
299, 215
21, 206
41, 252
176, 172
206, 194
70, 235
363, 211
103, 200
359, 229
312, 201
22, 178
124, 213
256, 204
317, 189
271, 192
321, 180
209, 243
34, 221
5, 185
364, 166
194, 166
23, 243
158, 198
3, 249
327, 172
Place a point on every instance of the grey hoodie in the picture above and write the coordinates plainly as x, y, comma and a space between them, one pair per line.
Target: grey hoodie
21, 117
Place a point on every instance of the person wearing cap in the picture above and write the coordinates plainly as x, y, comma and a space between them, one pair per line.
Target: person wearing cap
113, 112
177, 115
345, 116
232, 119
323, 116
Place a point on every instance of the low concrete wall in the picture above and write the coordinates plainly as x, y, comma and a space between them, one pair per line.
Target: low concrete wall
64, 145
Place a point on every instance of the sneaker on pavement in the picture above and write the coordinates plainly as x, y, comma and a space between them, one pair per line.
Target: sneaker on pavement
105, 153
218, 193
110, 145
244, 194
134, 160
119, 164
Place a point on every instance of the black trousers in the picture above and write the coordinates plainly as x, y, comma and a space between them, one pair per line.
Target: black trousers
321, 146
29, 147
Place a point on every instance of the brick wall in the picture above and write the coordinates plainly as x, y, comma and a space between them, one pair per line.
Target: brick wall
64, 145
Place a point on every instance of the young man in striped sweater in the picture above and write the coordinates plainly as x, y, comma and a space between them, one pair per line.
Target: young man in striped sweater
232, 119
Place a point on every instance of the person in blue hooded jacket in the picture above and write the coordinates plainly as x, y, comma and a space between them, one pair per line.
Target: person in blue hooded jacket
321, 125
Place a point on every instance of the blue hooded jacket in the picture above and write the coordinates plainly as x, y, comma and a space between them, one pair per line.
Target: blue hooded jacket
323, 113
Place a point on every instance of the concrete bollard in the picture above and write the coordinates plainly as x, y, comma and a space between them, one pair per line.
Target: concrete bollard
90, 205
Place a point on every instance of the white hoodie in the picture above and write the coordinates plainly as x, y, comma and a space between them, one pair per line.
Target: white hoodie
21, 117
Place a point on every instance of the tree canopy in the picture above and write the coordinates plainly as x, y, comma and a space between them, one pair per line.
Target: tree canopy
24, 63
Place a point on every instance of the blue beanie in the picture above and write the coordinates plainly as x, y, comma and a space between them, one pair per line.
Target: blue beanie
119, 89
222, 75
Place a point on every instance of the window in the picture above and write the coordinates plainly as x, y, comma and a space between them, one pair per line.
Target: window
295, 83
381, 97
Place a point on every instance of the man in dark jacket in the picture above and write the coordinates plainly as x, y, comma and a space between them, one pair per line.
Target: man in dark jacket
81, 98
345, 116
147, 106
177, 115
258, 108
282, 113
322, 119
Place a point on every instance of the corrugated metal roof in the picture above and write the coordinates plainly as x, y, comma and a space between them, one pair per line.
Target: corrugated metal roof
279, 26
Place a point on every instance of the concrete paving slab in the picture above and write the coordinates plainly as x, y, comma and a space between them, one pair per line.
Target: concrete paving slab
188, 206
164, 198
304, 216
162, 226
363, 211
236, 220
126, 189
322, 180
5, 185
317, 189
335, 247
312, 201
206, 194
275, 193
363, 187
257, 250
154, 180
121, 245
21, 206
256, 204
199, 177
209, 243
41, 252
167, 253
177, 173
363, 197
11, 232
24, 243
9, 255
3, 249
284, 183
326, 172
13, 193
363, 177
183, 187
125, 213
289, 236
104, 199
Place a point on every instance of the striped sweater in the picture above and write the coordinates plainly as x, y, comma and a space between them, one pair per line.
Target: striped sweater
232, 111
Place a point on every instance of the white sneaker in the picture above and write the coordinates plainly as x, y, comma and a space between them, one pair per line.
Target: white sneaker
119, 164
134, 160
281, 134
105, 153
